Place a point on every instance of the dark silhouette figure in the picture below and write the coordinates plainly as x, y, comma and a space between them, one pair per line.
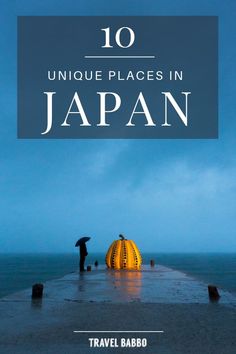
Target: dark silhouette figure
83, 254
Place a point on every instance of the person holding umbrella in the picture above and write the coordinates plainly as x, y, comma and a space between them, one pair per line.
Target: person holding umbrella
81, 243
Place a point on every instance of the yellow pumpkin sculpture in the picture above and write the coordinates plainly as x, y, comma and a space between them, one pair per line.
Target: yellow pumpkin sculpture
123, 254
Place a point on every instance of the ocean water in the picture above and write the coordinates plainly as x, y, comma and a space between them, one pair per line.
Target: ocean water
20, 271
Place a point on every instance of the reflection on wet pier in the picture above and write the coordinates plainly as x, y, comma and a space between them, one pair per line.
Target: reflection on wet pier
153, 285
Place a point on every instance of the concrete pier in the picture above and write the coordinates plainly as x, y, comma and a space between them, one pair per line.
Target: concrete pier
154, 299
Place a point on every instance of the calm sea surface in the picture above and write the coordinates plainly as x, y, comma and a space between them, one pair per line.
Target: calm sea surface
19, 271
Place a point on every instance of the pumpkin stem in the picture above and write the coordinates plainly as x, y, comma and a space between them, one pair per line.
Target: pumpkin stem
122, 237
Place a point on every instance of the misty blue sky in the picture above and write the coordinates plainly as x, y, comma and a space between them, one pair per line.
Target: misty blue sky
173, 195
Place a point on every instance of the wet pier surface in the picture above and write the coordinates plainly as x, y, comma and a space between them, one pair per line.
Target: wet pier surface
157, 298
150, 285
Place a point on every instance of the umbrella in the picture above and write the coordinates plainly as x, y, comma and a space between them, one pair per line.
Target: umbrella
82, 240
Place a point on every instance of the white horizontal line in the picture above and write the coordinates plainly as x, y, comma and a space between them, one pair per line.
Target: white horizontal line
119, 56
118, 331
